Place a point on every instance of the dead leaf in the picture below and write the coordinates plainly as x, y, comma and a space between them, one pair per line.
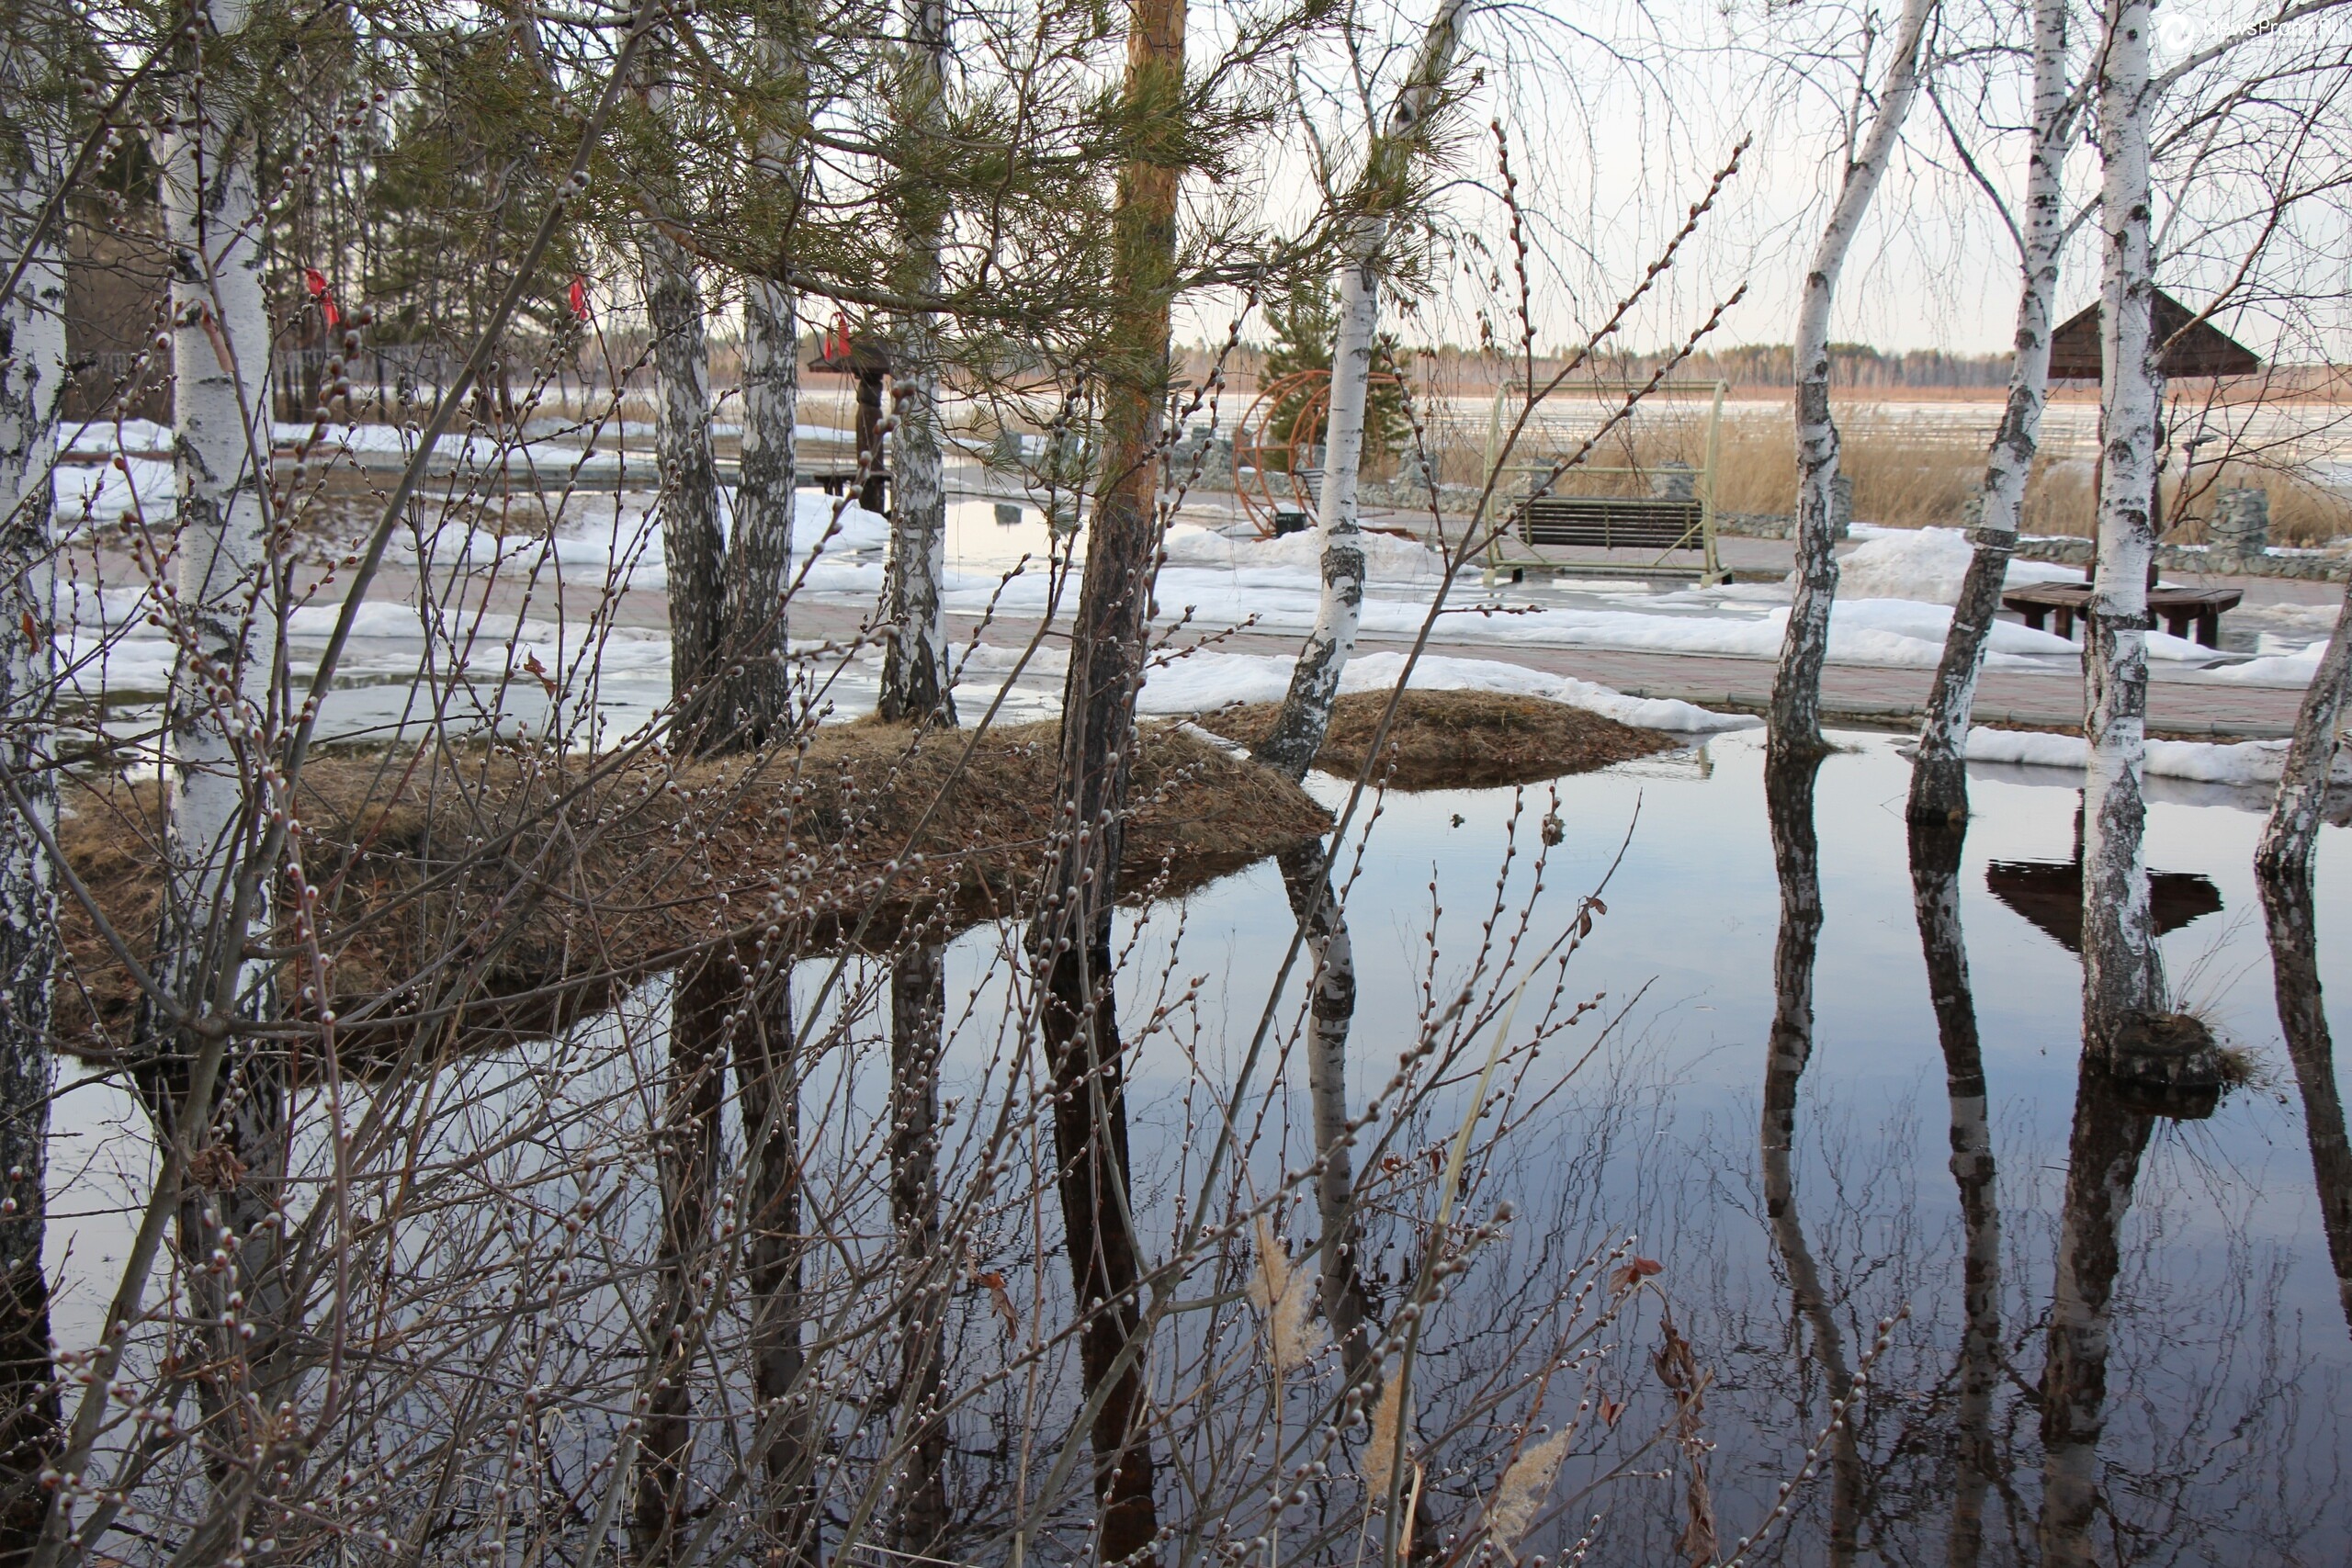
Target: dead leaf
993, 1282
1634, 1273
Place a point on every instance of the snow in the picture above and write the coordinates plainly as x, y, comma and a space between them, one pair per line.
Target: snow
2203, 761
1387, 559
2277, 662
103, 492
1201, 682
1927, 564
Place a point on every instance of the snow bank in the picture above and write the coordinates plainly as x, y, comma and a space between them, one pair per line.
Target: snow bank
1927, 564
2203, 761
2277, 662
142, 487
1387, 559
1196, 682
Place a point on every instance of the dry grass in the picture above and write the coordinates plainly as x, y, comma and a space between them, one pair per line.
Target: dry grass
509, 898
1906, 474
1459, 739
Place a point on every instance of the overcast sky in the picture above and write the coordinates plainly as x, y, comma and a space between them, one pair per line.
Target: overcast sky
1619, 112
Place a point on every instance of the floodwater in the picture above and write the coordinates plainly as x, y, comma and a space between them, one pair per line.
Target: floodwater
2228, 1377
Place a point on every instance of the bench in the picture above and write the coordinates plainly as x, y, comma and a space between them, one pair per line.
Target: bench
2186, 612
1662, 525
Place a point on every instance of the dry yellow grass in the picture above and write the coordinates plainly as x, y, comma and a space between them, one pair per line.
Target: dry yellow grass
1908, 476
508, 899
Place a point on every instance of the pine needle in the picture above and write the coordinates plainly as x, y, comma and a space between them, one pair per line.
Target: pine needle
1523, 1491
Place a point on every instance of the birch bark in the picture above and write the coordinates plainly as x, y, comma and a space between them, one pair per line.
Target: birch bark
692, 548
1306, 717
915, 670
32, 381
2291, 834
1796, 692
758, 680
2121, 975
1937, 781
1071, 937
226, 615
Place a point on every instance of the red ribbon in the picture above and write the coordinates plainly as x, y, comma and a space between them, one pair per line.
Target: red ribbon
578, 294
316, 282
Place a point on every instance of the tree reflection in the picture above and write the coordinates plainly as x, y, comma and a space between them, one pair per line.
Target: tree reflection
1788, 787
1935, 890
2302, 1019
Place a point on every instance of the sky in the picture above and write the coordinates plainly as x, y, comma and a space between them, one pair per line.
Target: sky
1618, 113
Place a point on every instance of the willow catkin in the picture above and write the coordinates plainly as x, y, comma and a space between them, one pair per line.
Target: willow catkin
1285, 1295
1378, 1464
1522, 1490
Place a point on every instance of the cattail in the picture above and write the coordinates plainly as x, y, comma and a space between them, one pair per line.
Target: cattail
1522, 1490
1380, 1451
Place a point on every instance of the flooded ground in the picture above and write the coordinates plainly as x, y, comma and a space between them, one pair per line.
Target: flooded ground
2229, 1374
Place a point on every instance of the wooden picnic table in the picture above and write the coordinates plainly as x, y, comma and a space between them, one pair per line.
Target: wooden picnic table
2187, 611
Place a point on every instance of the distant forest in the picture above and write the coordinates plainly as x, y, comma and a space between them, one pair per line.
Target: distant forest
1855, 366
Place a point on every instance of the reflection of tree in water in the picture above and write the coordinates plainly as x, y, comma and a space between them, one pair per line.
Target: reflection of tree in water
2302, 1019
1789, 785
1935, 886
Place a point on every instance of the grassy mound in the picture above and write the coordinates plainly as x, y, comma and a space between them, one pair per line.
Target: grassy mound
491, 894
1458, 739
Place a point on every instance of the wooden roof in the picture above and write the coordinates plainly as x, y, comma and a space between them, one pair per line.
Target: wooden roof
2203, 350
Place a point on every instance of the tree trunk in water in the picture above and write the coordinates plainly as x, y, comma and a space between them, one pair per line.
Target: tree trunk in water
1939, 785
1306, 717
2102, 1162
217, 809
691, 546
32, 382
1346, 1300
1071, 937
914, 661
2291, 834
687, 1155
918, 1009
1796, 690
2121, 977
1789, 782
758, 679
1935, 892
768, 1088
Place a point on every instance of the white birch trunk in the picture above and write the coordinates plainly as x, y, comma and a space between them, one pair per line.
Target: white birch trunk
692, 548
32, 381
1937, 789
1305, 716
1796, 692
759, 546
229, 596
2291, 834
2119, 971
915, 670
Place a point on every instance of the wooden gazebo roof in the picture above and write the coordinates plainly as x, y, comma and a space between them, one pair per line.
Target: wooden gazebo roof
2203, 350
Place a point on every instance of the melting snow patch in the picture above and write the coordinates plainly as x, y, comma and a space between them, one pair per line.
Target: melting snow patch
2204, 762
1927, 564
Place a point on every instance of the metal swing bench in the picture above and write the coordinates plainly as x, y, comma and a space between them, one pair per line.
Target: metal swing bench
1660, 534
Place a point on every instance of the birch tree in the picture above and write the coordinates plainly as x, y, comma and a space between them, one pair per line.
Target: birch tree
693, 547
915, 670
2290, 835
225, 611
1937, 781
32, 380
1382, 190
1796, 692
2120, 977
